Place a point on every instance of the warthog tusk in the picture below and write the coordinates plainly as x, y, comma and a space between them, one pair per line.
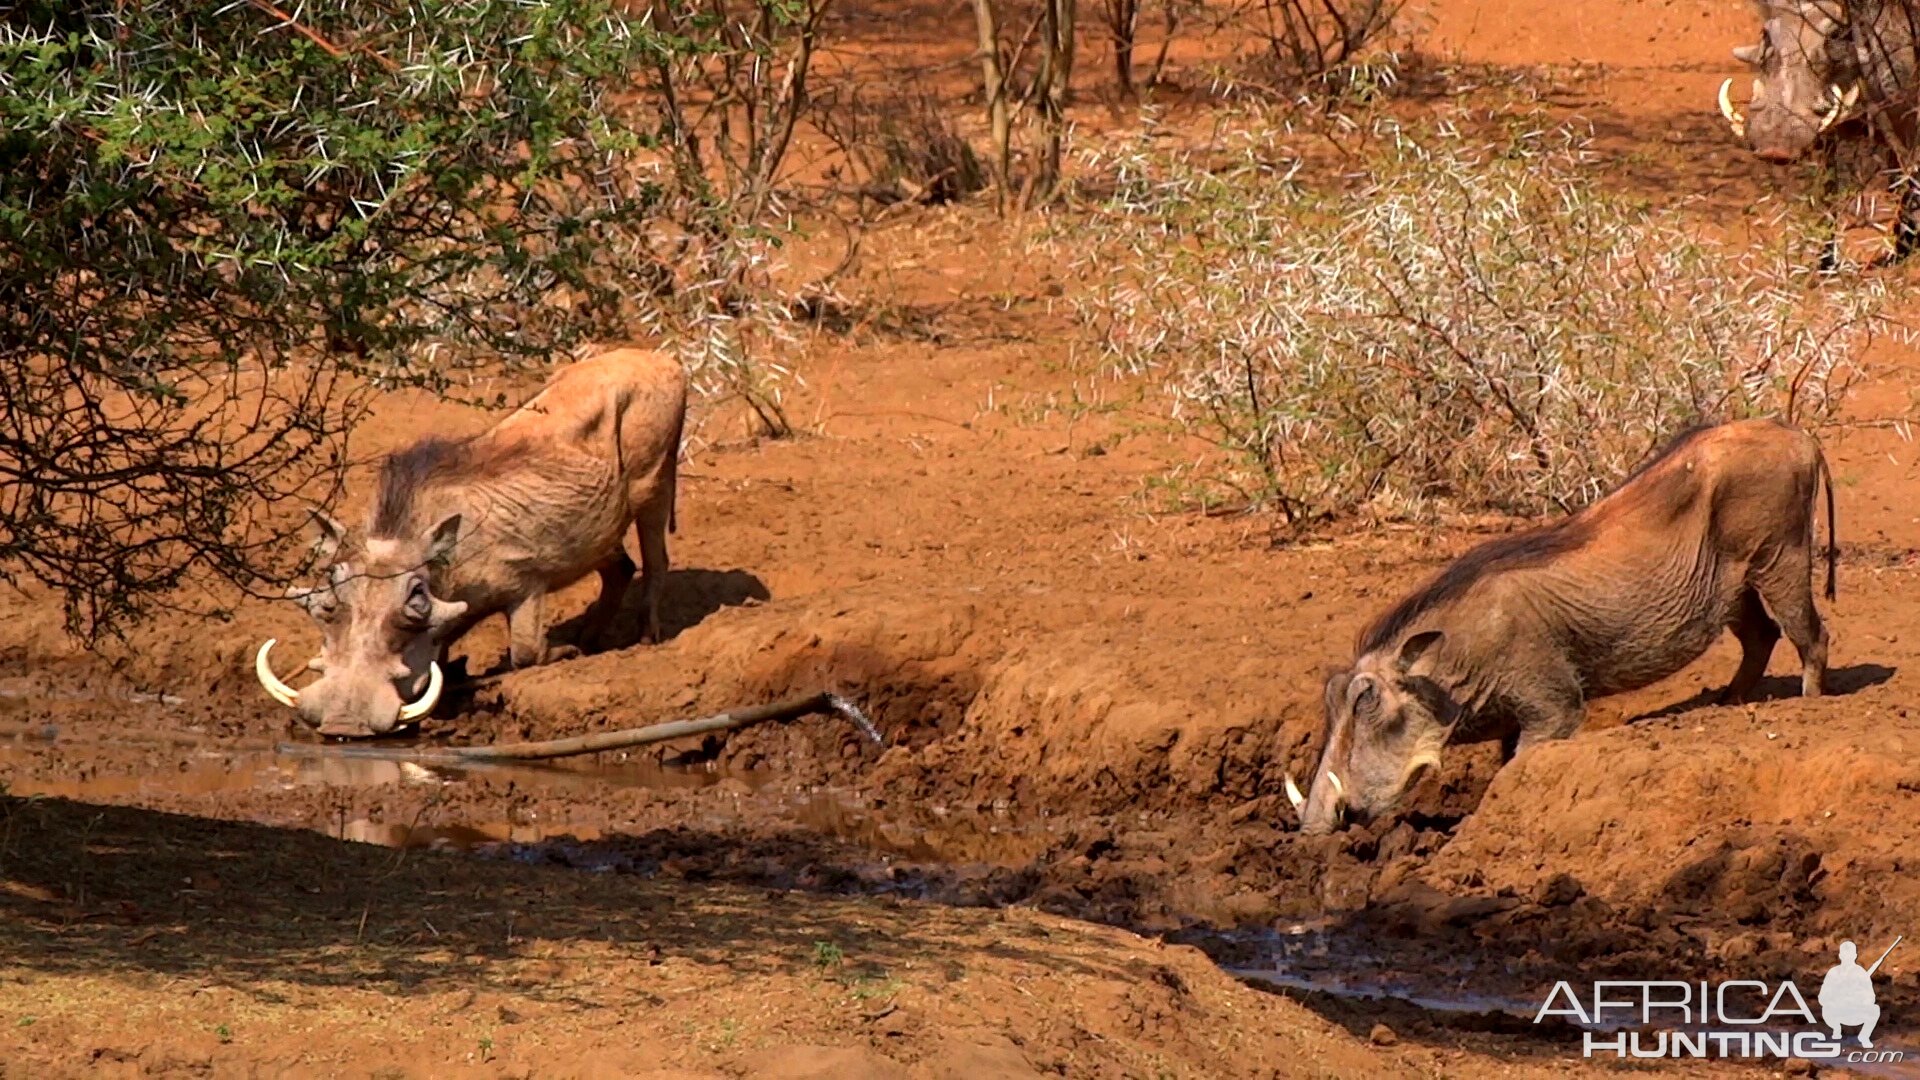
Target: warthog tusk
1843, 102
1734, 119
279, 691
410, 713
1339, 789
1293, 794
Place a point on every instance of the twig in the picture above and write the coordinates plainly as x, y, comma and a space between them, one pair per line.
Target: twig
314, 36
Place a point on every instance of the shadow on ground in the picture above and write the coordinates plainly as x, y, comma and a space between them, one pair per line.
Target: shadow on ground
1840, 682
88, 889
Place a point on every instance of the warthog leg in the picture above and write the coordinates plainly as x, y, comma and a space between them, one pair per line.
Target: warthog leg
651, 527
614, 579
1758, 634
1787, 588
527, 631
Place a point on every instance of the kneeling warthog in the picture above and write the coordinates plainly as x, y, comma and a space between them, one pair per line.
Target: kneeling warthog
463, 528
1513, 638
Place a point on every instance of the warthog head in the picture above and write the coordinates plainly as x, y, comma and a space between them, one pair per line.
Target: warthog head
1387, 722
381, 625
1807, 78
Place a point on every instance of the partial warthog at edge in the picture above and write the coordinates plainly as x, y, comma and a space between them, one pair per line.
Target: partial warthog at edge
463, 528
1832, 70
1512, 639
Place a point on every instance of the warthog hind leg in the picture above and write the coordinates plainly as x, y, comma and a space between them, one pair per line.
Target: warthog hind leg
1758, 634
651, 527
614, 578
1787, 588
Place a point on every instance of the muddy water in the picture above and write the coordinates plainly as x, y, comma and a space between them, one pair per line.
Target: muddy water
944, 856
165, 769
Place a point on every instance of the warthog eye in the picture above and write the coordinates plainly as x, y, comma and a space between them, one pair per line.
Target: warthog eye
419, 605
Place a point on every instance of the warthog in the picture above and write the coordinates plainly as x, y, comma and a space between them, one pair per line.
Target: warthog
1512, 639
463, 528
1836, 66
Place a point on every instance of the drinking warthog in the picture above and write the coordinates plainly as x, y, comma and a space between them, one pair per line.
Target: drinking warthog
463, 528
1512, 639
1836, 66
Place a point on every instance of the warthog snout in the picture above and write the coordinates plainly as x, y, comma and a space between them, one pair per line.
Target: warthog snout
1326, 810
381, 708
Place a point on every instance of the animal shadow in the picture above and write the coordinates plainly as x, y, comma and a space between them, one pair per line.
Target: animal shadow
1840, 682
690, 597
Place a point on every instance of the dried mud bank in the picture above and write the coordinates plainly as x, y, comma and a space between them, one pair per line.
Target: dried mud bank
1052, 769
125, 951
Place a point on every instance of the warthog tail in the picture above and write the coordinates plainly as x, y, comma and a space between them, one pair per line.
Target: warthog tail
1833, 537
673, 474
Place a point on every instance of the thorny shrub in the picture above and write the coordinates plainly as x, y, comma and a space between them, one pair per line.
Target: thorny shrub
223, 225
1450, 327
904, 147
1314, 39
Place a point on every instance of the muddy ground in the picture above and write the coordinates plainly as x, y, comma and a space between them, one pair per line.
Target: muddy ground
1076, 822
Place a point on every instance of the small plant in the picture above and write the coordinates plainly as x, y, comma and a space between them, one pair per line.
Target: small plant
1476, 327
827, 955
223, 1033
730, 1030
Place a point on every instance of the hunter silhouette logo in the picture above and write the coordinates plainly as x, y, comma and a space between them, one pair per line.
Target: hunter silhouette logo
1846, 994
1739, 1018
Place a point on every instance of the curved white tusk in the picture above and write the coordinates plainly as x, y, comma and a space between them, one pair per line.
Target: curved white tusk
1293, 794
1843, 102
1339, 789
410, 713
1734, 119
279, 691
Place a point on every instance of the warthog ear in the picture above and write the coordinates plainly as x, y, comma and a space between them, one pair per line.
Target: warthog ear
1416, 649
332, 536
1748, 54
1336, 692
441, 539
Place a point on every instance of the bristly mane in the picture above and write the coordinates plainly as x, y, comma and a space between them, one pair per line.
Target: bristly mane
1517, 552
406, 472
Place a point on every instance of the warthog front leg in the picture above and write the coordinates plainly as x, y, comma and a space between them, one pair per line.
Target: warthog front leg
1553, 710
527, 631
